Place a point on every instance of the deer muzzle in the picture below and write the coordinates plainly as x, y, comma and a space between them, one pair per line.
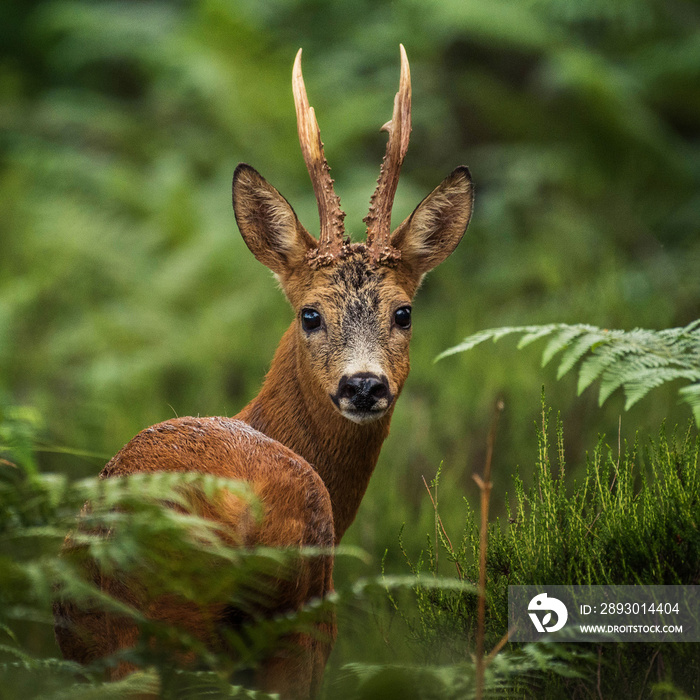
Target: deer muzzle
363, 397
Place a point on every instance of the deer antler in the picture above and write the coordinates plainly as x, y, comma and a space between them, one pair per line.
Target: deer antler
378, 219
330, 240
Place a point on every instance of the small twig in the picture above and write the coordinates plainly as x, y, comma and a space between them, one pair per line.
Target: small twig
484, 484
660, 669
619, 450
590, 527
437, 548
646, 675
501, 643
438, 520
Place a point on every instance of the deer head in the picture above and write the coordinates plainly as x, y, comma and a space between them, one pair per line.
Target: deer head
352, 300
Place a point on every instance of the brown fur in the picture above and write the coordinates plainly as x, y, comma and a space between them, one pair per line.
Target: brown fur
308, 463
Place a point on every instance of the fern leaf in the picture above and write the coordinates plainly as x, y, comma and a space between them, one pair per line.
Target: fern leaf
610, 382
592, 368
691, 395
647, 380
139, 683
532, 336
622, 368
565, 336
638, 360
491, 334
576, 351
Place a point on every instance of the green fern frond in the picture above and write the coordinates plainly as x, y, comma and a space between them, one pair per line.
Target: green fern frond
691, 395
638, 360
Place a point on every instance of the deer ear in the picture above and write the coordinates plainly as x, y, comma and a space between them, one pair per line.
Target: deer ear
437, 224
267, 222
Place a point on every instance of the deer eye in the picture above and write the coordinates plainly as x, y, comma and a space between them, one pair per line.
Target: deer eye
310, 320
402, 317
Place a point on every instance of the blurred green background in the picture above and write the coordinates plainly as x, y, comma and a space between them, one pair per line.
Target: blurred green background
127, 295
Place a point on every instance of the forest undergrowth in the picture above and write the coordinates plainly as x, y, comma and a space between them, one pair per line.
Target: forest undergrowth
632, 519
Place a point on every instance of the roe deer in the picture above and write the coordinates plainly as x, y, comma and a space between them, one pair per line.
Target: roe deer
309, 441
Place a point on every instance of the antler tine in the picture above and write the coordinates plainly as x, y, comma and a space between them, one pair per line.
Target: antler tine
378, 219
331, 216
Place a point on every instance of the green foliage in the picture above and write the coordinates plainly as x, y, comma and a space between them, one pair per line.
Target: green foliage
127, 296
176, 551
449, 681
169, 551
637, 360
456, 681
634, 518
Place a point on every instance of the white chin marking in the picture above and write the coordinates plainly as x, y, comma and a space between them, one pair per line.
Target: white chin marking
361, 417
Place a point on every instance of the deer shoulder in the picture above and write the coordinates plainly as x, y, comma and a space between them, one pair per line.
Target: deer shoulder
296, 508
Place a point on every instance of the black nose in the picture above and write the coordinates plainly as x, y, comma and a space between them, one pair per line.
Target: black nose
363, 390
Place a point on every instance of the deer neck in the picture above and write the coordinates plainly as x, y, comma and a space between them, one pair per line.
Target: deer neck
293, 411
